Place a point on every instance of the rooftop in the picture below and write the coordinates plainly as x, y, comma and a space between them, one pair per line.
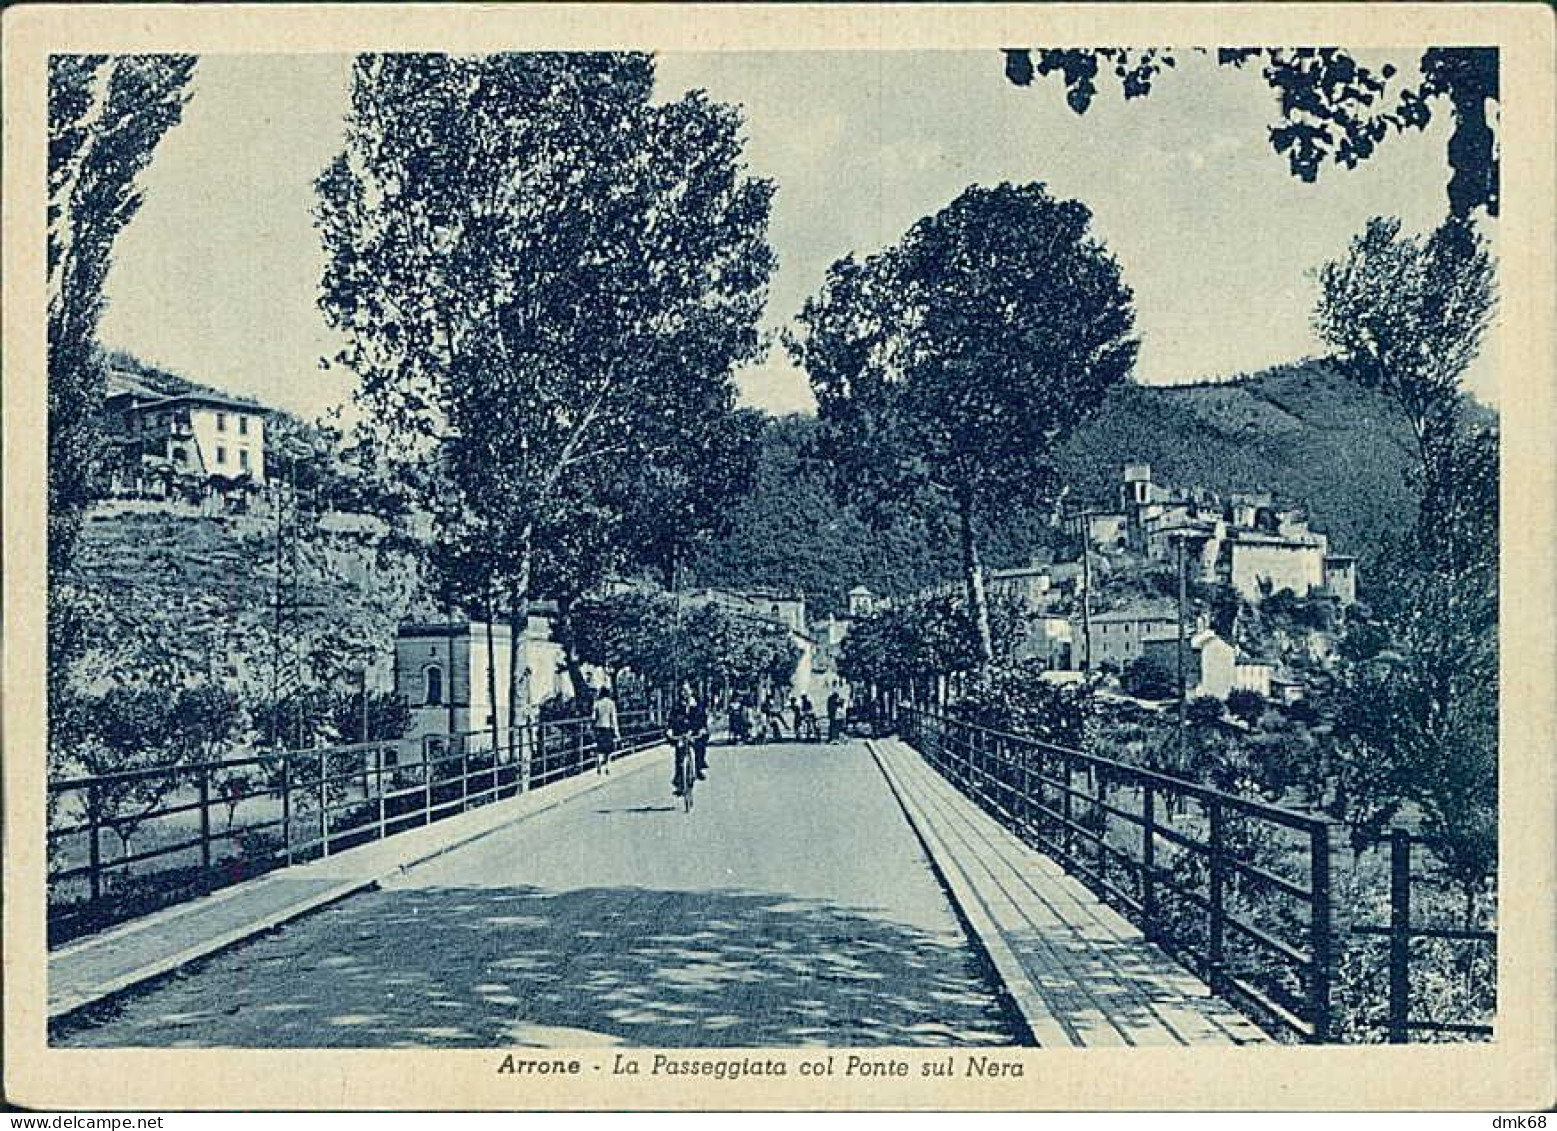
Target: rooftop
155, 400
1134, 613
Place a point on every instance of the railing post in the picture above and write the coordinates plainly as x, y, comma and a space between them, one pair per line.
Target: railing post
1025, 800
1322, 941
205, 815
1399, 936
286, 805
324, 805
464, 775
427, 783
1216, 960
1149, 859
95, 848
378, 788
1067, 811
526, 756
1100, 784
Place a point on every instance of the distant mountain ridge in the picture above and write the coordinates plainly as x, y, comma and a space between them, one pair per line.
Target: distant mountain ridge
1302, 431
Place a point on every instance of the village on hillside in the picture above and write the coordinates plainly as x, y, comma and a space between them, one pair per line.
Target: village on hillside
197, 451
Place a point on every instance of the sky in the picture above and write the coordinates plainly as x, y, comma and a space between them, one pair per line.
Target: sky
217, 277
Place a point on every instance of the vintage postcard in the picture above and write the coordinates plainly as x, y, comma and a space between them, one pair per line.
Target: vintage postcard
807, 557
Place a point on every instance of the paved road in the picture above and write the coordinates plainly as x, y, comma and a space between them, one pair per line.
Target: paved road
793, 906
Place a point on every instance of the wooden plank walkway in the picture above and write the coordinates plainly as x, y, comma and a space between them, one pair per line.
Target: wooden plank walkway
1079, 973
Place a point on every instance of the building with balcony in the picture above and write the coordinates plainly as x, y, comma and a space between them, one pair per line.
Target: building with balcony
186, 437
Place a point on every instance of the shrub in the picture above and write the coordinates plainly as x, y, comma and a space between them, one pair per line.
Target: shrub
1246, 704
1147, 677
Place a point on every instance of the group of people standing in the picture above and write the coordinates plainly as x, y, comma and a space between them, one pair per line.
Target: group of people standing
750, 722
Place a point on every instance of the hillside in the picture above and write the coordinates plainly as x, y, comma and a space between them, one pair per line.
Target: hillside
195, 596
1301, 431
791, 533
163, 380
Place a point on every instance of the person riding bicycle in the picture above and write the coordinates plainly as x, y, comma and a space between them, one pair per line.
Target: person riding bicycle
772, 718
688, 729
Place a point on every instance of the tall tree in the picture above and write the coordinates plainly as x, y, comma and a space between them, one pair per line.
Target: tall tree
1407, 314
106, 116
1334, 108
956, 362
1418, 700
541, 274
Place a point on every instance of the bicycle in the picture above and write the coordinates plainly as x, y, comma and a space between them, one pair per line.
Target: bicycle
686, 767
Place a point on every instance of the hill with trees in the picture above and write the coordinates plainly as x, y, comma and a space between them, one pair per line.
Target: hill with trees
1301, 430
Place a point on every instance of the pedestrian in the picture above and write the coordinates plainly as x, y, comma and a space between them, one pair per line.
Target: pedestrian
811, 732
740, 721
772, 718
834, 716
607, 730
794, 715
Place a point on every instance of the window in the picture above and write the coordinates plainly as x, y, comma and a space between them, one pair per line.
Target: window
221, 454
243, 458
433, 675
243, 425
221, 422
180, 455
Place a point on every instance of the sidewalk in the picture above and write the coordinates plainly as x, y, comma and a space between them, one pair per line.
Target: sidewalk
1077, 971
115, 960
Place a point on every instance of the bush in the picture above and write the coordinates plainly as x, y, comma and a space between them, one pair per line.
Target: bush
1203, 710
1147, 677
1018, 700
1245, 704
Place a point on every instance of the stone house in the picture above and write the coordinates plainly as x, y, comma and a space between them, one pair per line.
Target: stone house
441, 670
196, 435
1210, 663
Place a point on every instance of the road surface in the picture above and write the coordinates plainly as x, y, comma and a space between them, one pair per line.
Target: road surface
793, 906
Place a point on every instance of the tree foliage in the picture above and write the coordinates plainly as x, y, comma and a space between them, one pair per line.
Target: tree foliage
909, 645
1417, 717
953, 364
1015, 698
545, 279
708, 645
1150, 677
1407, 314
106, 116
1334, 108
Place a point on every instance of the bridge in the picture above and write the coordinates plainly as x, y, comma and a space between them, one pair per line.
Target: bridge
944, 885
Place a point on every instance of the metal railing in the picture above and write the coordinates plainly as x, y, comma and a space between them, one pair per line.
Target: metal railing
1237, 889
1401, 932
298, 805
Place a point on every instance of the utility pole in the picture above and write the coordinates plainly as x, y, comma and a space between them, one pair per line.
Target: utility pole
1183, 644
1086, 590
1084, 516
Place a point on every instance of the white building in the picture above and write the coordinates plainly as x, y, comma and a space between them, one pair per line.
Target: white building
1260, 561
200, 433
441, 670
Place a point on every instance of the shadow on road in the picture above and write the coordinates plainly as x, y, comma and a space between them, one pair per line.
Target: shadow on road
642, 809
485, 967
